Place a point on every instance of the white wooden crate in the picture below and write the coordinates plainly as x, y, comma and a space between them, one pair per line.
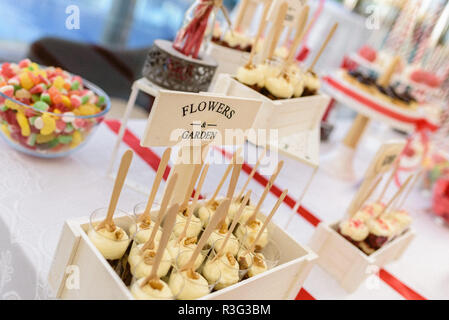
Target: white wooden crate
289, 116
348, 264
229, 60
99, 281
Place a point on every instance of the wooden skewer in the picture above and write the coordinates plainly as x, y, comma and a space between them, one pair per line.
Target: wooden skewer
278, 27
300, 33
216, 218
165, 200
195, 174
287, 37
412, 185
195, 201
385, 78
241, 14
397, 194
323, 46
268, 219
166, 233
370, 191
390, 179
253, 172
233, 225
156, 183
225, 176
231, 188
301, 198
125, 162
303, 194
262, 25
265, 192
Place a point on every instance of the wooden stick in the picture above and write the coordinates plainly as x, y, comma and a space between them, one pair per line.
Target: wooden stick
241, 14
323, 46
262, 25
397, 194
287, 37
195, 201
216, 218
233, 225
301, 198
195, 174
265, 192
300, 33
268, 219
390, 179
385, 78
156, 183
253, 172
412, 185
278, 27
163, 208
166, 233
125, 162
225, 176
370, 191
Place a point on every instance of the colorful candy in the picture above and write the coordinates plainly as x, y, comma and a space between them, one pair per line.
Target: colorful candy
60, 107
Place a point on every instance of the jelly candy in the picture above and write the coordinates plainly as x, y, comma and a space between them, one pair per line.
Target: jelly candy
23, 123
25, 80
49, 124
40, 105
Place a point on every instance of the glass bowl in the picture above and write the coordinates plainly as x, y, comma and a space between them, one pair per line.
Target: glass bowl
64, 132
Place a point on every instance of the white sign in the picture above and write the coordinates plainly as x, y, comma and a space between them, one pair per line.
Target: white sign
178, 117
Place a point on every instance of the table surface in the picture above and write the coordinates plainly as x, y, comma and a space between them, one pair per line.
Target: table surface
38, 195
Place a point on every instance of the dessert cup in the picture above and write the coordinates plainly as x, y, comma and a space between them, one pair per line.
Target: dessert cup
143, 229
217, 238
262, 261
224, 270
115, 245
181, 254
190, 285
112, 244
247, 234
194, 229
158, 290
141, 264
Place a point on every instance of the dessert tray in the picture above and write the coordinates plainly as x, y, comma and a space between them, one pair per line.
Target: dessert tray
99, 281
376, 107
289, 116
348, 264
230, 59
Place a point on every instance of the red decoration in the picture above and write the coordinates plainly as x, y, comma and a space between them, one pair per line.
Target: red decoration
190, 37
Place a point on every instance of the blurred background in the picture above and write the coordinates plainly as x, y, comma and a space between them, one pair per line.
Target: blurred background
113, 37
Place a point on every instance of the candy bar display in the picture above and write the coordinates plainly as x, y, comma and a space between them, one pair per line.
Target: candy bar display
46, 111
178, 266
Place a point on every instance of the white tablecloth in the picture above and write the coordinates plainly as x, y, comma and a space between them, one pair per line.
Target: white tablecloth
37, 196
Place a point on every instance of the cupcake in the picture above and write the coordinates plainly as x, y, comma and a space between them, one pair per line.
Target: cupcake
251, 76
380, 231
400, 219
370, 211
311, 84
279, 87
354, 230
